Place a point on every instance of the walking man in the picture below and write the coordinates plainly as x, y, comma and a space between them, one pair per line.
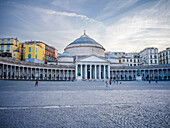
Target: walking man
36, 83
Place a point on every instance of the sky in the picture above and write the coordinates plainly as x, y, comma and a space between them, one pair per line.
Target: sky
118, 25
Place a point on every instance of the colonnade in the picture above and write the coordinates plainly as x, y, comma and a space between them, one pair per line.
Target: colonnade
33, 73
145, 74
92, 71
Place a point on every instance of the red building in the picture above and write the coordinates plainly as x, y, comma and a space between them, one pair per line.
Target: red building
50, 54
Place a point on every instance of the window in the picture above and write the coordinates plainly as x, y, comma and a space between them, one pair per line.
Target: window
151, 61
8, 41
123, 60
2, 48
22, 51
155, 61
36, 49
138, 60
130, 60
8, 48
29, 49
134, 60
29, 56
43, 52
151, 56
130, 64
22, 45
2, 41
134, 64
36, 56
16, 42
127, 60
155, 56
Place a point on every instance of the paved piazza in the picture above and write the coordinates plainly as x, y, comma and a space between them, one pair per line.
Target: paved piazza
84, 104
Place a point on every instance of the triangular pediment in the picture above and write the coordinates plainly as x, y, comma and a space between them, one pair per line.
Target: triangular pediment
93, 58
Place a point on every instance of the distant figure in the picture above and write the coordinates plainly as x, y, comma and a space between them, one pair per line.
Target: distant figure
117, 81
106, 84
156, 81
120, 82
110, 82
36, 83
114, 81
149, 81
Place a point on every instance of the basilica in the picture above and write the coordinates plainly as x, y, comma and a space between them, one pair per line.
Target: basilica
82, 59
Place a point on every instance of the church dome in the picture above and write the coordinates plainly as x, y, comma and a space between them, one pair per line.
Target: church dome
65, 55
85, 46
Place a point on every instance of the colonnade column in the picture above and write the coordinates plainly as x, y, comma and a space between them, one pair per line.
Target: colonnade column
108, 72
90, 71
43, 73
162, 74
158, 73
27, 74
11, 72
99, 71
31, 73
6, 71
85, 71
167, 74
14, 72
2, 71
55, 75
81, 71
104, 72
153, 74
19, 72
95, 71
47, 73
35, 74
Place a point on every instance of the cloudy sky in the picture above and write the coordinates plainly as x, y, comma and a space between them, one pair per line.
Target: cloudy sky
119, 25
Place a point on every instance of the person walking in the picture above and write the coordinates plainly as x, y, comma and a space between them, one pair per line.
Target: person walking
106, 84
110, 82
36, 83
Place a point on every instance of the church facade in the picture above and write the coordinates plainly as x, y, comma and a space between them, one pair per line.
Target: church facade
83, 59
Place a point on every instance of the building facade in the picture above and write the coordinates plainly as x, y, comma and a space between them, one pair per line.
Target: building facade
10, 48
83, 59
164, 56
149, 56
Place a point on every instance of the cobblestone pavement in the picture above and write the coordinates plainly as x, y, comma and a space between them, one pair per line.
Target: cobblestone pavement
84, 104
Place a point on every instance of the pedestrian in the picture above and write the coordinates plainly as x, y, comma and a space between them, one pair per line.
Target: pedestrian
36, 83
114, 81
106, 84
149, 81
117, 81
110, 82
156, 81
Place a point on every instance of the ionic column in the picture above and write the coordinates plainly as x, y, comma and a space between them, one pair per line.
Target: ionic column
55, 75
149, 73
39, 74
108, 72
6, 71
158, 73
23, 73
132, 74
85, 71
19, 72
43, 74
31, 73
99, 71
162, 74
14, 72
35, 74
153, 75
27, 73
104, 72
47, 73
81, 71
127, 74
167, 74
11, 72
71, 74
95, 68
2, 71
144, 73
90, 71
51, 74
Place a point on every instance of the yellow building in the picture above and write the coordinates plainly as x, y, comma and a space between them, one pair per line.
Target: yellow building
34, 52
10, 48
22, 50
